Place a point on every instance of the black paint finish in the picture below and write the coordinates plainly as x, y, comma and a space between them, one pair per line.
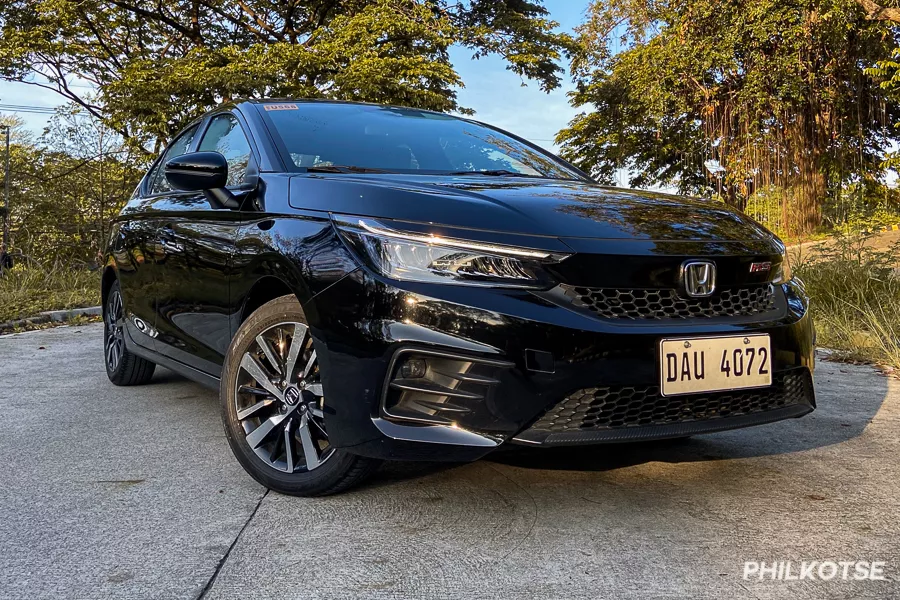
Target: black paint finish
190, 272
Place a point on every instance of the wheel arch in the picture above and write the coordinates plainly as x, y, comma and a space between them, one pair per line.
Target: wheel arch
266, 289
106, 282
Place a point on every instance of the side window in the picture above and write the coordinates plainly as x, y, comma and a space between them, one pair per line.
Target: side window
226, 137
157, 182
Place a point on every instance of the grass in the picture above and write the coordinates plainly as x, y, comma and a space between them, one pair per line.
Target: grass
26, 291
855, 299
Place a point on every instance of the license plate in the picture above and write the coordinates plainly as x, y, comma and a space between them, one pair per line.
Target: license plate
714, 364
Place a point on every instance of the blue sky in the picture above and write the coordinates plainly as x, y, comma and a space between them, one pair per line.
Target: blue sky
496, 95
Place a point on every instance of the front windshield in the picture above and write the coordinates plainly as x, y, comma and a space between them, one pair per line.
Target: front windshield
402, 141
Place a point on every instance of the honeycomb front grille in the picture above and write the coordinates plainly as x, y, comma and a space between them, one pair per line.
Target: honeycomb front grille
656, 304
602, 408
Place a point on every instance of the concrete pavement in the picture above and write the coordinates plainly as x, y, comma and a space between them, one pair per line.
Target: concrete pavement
112, 492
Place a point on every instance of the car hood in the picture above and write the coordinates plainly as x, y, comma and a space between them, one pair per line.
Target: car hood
567, 209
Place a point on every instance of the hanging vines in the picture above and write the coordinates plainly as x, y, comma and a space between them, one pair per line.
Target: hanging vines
764, 103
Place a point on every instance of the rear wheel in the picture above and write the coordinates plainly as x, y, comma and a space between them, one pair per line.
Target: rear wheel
272, 406
122, 367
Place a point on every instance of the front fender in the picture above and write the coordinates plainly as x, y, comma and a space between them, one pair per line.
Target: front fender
303, 252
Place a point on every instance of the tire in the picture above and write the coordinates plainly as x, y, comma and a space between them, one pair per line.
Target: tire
272, 407
122, 367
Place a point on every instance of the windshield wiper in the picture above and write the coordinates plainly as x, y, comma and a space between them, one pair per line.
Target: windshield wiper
343, 169
494, 173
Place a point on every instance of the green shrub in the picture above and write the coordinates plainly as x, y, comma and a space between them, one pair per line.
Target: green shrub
855, 298
26, 291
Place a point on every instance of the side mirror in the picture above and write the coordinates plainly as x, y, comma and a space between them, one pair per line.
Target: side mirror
205, 172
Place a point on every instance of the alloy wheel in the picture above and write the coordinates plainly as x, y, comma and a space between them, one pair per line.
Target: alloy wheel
279, 401
115, 332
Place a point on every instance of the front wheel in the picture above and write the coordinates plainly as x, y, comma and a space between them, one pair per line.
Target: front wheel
272, 407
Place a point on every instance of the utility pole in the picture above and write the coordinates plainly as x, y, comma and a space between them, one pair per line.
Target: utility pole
102, 236
6, 188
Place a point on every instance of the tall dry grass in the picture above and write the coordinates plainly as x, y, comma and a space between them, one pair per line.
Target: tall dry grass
28, 290
855, 298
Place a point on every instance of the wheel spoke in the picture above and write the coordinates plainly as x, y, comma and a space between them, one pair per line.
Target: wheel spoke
309, 365
315, 389
310, 450
297, 343
315, 411
267, 350
277, 447
252, 389
319, 428
252, 410
289, 448
256, 437
110, 355
249, 364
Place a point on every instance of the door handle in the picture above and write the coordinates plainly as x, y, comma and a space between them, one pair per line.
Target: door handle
172, 246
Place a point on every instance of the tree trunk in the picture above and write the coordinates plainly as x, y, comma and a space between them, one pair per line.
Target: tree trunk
802, 209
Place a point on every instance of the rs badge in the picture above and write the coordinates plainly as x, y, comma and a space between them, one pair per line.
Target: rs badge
760, 267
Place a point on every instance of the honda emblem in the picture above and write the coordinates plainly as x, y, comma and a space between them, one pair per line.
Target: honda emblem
699, 278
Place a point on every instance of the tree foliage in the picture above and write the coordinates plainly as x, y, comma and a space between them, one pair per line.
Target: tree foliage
65, 188
158, 63
775, 93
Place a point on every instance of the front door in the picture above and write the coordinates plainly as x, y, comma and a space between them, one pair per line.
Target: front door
193, 303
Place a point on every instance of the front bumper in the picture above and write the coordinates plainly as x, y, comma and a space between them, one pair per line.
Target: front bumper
514, 357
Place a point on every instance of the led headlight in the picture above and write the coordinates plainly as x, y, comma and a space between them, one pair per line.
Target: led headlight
783, 270
428, 258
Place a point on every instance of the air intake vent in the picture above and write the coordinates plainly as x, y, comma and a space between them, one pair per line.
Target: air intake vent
605, 408
660, 304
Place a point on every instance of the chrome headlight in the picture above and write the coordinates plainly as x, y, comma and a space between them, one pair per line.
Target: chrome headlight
428, 258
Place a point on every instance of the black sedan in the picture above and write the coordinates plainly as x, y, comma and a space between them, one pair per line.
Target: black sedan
366, 282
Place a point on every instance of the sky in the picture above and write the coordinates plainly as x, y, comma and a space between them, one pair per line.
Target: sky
497, 95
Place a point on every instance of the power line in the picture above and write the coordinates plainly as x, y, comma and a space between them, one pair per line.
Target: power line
37, 110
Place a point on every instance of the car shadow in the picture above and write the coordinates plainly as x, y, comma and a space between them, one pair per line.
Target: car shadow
848, 398
163, 376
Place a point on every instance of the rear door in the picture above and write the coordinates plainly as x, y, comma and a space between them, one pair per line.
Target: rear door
194, 307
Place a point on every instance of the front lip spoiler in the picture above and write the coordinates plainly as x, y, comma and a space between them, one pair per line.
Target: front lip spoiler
435, 434
658, 432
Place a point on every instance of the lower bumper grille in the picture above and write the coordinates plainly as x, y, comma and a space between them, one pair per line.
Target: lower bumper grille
620, 410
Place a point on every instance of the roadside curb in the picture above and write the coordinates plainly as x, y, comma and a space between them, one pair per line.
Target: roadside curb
883, 229
50, 316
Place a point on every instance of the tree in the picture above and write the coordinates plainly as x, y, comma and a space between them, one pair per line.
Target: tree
877, 12
158, 63
66, 186
774, 93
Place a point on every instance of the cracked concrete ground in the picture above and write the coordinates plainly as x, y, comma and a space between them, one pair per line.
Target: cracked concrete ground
112, 492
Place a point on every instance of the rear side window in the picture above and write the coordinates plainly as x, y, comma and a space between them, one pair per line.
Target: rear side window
225, 136
157, 182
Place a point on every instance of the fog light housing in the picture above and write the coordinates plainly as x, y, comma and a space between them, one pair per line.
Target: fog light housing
425, 386
414, 368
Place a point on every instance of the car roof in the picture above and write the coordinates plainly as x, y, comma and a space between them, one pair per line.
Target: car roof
328, 101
